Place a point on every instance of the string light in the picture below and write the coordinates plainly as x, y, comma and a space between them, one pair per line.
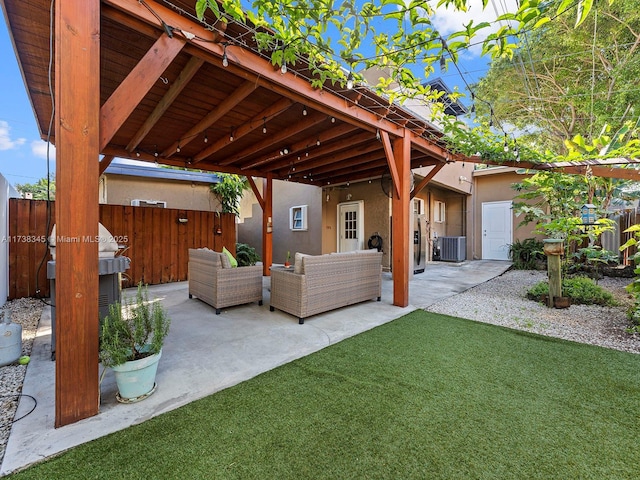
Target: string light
206, 138
350, 81
231, 136
264, 125
333, 119
283, 68
225, 60
178, 148
137, 153
304, 111
318, 142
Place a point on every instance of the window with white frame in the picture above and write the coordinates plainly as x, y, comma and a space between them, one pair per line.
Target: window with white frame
438, 211
298, 218
418, 206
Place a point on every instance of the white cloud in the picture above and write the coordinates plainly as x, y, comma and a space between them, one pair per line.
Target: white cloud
39, 149
6, 143
449, 20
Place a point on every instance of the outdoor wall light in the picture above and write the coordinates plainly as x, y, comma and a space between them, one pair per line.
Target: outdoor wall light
182, 220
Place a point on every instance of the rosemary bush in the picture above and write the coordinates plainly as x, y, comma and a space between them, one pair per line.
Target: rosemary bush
133, 330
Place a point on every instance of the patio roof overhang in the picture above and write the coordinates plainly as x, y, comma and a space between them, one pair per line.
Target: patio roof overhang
145, 80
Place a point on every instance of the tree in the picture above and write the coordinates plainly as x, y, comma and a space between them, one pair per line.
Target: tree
39, 189
565, 80
338, 39
229, 191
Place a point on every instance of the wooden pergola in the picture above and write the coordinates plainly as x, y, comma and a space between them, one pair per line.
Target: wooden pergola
146, 80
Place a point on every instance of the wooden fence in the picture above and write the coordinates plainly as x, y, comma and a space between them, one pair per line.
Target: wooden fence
153, 238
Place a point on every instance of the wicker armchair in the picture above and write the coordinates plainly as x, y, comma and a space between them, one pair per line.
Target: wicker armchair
213, 281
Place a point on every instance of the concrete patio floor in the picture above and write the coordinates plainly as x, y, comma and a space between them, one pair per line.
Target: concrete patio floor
205, 353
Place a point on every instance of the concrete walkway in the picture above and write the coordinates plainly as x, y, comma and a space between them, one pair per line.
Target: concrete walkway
205, 353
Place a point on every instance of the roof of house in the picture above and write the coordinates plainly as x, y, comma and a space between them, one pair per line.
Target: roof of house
452, 107
120, 166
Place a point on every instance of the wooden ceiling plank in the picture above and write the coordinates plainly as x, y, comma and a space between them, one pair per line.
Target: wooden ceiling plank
282, 135
239, 94
304, 165
323, 150
133, 89
279, 107
187, 73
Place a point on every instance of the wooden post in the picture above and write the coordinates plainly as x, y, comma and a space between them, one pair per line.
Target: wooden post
77, 108
267, 225
553, 249
400, 213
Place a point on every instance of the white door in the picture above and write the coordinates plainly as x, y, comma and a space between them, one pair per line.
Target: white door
351, 226
497, 230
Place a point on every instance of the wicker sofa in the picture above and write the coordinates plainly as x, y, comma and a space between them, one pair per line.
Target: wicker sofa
213, 281
319, 283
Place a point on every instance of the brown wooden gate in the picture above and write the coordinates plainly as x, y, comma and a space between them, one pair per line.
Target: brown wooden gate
157, 240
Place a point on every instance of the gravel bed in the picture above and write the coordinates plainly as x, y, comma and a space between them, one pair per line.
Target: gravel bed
26, 312
502, 301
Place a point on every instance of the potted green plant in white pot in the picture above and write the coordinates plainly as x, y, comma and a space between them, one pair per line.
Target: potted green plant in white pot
131, 340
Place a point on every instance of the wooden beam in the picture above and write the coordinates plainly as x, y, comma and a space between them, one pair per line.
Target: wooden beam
359, 150
104, 163
246, 64
267, 225
400, 215
277, 137
256, 192
133, 89
187, 73
393, 169
423, 183
244, 129
239, 94
77, 120
302, 148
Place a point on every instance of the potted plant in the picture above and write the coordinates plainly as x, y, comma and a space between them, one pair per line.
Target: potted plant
287, 262
131, 340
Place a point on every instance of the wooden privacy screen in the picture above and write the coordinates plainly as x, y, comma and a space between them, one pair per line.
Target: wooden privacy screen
157, 240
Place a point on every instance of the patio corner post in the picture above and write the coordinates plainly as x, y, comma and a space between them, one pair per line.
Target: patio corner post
267, 225
400, 214
77, 108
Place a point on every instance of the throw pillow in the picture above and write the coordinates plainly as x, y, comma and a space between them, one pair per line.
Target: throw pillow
233, 261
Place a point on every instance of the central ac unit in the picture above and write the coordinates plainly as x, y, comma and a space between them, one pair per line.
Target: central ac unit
148, 203
453, 249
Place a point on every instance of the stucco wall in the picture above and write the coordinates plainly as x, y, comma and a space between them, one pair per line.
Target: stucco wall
285, 196
493, 185
120, 190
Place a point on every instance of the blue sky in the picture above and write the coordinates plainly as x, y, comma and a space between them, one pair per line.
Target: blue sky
23, 153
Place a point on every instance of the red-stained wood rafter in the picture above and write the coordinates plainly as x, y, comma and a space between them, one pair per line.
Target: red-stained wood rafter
245, 64
325, 136
423, 183
388, 151
255, 190
187, 73
239, 94
133, 89
280, 136
244, 129
104, 163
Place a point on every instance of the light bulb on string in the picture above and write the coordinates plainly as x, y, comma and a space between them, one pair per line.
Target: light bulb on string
225, 60
283, 69
350, 81
206, 138
178, 148
264, 125
304, 111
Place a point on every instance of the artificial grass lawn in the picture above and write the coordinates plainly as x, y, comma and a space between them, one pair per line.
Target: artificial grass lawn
426, 396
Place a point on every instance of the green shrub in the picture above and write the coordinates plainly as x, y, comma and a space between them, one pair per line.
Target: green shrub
580, 290
246, 255
527, 254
